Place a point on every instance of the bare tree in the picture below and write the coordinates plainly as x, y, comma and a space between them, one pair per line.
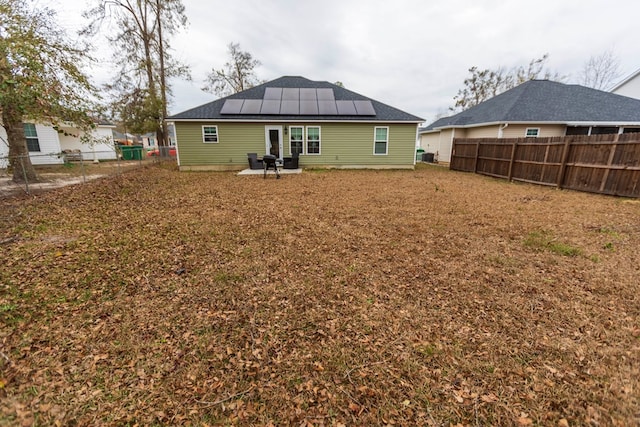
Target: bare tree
601, 71
237, 75
141, 85
485, 84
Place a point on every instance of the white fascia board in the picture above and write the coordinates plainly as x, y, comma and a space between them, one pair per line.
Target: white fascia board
308, 120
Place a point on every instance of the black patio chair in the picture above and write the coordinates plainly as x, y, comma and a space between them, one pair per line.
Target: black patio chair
291, 162
254, 161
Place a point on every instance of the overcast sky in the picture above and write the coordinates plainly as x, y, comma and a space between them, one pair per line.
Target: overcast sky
411, 54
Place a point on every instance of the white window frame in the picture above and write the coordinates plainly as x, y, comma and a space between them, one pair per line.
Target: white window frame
35, 138
204, 135
526, 133
375, 140
291, 135
306, 146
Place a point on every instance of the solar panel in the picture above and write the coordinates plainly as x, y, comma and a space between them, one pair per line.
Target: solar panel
309, 108
291, 94
346, 108
232, 106
290, 107
273, 93
364, 108
298, 101
251, 106
308, 94
325, 94
327, 108
270, 106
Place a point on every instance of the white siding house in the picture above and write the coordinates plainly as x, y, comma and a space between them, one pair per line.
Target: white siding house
629, 87
46, 144
43, 143
101, 146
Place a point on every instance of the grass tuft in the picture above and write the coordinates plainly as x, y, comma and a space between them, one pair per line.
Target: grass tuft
544, 240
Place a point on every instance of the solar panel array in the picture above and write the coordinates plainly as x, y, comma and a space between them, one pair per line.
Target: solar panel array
298, 102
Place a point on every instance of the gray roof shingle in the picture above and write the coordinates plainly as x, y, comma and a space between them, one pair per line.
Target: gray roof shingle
211, 110
539, 101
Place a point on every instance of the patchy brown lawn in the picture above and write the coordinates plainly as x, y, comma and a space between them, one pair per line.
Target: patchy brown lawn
422, 297
52, 177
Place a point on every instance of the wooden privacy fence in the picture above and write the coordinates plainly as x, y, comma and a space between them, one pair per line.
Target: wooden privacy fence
605, 164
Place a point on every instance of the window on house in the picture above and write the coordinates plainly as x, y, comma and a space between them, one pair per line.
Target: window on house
604, 130
532, 132
210, 134
295, 139
577, 130
32, 137
313, 140
381, 140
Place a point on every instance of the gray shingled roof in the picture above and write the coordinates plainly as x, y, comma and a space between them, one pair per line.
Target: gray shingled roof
211, 111
544, 101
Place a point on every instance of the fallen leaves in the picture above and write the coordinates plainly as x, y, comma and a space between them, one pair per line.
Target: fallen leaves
337, 298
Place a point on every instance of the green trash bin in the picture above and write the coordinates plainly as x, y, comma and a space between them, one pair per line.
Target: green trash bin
127, 152
419, 152
137, 152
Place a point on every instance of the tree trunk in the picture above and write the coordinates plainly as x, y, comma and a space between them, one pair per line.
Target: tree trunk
163, 77
19, 160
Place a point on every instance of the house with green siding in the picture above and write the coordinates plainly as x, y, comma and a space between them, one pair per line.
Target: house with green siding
325, 125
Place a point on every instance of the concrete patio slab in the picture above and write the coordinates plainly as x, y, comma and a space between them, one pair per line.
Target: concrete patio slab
270, 172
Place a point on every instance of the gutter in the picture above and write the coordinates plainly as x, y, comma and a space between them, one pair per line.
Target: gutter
566, 123
310, 120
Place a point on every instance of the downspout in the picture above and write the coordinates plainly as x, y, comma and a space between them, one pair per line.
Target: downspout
175, 141
502, 128
418, 144
451, 146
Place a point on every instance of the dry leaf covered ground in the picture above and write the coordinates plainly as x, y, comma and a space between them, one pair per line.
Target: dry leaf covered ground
423, 297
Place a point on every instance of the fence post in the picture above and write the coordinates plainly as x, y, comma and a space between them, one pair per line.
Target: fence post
612, 153
24, 174
546, 159
475, 159
84, 177
563, 162
513, 156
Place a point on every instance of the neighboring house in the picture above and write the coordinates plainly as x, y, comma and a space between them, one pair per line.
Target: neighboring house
99, 145
42, 141
149, 139
537, 108
325, 124
629, 87
46, 144
126, 138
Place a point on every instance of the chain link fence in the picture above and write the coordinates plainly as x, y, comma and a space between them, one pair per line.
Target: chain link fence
71, 167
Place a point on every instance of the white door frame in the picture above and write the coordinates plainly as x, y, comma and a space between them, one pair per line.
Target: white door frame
267, 141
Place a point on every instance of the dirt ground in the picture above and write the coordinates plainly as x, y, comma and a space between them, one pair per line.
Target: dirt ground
424, 297
52, 177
